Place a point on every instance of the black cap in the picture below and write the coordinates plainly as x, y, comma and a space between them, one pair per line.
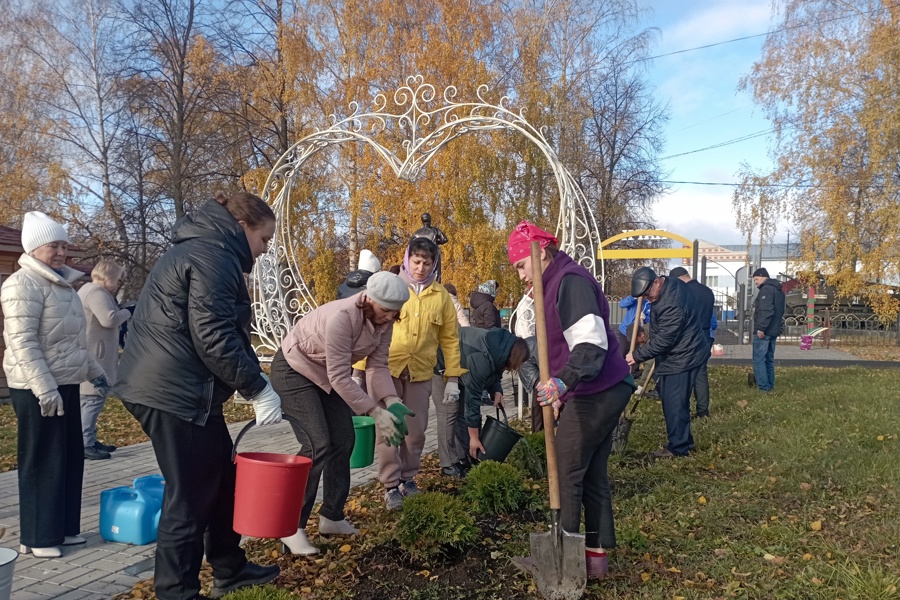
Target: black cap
761, 272
678, 272
641, 281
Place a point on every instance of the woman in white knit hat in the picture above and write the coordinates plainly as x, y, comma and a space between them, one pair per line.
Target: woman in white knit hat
311, 372
46, 360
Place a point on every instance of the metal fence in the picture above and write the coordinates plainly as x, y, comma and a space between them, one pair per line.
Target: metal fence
842, 329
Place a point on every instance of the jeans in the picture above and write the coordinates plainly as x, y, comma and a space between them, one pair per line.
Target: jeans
91, 407
675, 391
764, 362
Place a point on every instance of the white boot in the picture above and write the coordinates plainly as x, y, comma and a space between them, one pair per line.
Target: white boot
342, 527
299, 544
51, 552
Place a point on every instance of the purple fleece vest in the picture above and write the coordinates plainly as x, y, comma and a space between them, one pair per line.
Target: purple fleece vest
615, 369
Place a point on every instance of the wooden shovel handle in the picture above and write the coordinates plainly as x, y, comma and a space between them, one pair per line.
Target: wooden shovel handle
636, 324
540, 330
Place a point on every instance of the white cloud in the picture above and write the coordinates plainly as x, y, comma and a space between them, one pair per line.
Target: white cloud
716, 22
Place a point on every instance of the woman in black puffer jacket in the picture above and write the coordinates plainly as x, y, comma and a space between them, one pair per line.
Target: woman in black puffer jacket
188, 351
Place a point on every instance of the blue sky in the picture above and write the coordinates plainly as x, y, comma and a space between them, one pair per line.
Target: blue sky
706, 107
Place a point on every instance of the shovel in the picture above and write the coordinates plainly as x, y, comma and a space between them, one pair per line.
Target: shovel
557, 560
620, 433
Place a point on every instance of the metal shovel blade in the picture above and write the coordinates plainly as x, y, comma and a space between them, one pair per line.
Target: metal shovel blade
620, 434
557, 564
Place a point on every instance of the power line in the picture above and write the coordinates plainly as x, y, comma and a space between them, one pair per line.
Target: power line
721, 144
756, 35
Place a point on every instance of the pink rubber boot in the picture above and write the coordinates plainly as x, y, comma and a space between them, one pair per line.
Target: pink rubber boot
597, 563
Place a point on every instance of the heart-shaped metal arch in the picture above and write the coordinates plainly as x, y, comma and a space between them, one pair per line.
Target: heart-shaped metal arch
280, 293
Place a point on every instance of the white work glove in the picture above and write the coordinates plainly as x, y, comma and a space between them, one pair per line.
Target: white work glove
267, 405
387, 425
451, 393
358, 381
51, 404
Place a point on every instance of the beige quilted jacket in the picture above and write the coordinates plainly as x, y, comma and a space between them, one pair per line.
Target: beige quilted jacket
44, 329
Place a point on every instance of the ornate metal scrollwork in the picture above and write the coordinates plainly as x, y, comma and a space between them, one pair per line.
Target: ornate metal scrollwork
280, 294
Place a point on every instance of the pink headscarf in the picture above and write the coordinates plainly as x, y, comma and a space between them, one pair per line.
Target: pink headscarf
519, 245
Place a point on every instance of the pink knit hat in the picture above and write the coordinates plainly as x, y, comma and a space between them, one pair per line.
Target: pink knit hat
519, 245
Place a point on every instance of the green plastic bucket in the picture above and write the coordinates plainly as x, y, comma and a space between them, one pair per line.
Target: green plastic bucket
364, 448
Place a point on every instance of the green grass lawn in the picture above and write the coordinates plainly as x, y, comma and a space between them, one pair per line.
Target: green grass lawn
789, 495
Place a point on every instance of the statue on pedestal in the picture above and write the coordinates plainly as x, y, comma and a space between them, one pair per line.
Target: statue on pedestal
432, 233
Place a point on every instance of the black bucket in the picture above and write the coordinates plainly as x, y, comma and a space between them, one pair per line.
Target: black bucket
498, 438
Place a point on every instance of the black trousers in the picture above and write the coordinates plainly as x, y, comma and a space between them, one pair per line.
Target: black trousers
51, 468
328, 421
701, 389
675, 391
583, 445
198, 506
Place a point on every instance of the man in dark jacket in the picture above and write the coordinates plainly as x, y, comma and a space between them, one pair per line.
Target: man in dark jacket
768, 312
484, 313
704, 300
678, 343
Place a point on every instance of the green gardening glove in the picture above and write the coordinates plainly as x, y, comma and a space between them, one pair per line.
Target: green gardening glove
396, 407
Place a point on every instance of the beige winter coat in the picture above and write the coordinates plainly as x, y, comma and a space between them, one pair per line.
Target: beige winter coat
103, 317
44, 329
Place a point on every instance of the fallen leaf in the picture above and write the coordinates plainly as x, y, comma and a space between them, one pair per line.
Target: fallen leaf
645, 576
807, 556
816, 525
701, 500
817, 581
720, 552
775, 560
742, 403
805, 486
346, 548
306, 590
880, 438
677, 597
673, 570
647, 556
424, 573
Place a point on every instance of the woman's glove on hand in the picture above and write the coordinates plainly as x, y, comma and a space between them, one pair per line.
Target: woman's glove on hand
267, 406
451, 393
550, 391
388, 426
51, 404
396, 407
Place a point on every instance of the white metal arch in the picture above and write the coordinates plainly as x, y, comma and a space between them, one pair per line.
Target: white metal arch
280, 294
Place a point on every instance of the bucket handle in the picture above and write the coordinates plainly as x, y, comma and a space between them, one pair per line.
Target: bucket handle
290, 419
502, 411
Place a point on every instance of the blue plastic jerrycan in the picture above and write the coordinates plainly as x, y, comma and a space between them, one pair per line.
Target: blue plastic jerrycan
130, 515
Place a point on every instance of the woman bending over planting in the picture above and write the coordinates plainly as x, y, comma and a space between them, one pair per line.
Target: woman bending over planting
312, 372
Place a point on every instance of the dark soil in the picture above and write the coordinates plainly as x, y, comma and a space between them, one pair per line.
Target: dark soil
389, 573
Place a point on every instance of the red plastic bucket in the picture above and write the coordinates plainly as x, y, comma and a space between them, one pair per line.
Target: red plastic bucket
268, 492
